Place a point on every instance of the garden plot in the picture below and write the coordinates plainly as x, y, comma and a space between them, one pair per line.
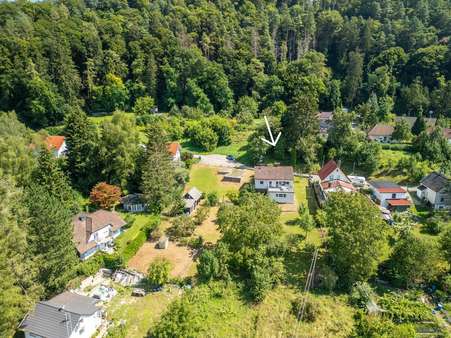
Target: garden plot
180, 257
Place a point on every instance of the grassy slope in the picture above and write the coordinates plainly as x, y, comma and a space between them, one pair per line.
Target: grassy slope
271, 318
139, 313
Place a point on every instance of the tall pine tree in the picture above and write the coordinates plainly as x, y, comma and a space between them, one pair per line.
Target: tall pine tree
81, 141
158, 172
18, 286
51, 204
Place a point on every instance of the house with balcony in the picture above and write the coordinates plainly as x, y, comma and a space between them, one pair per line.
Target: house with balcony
96, 231
435, 189
276, 182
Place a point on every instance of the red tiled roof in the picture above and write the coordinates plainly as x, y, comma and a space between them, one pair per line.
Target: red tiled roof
327, 169
274, 173
391, 190
381, 130
398, 202
54, 142
337, 183
172, 148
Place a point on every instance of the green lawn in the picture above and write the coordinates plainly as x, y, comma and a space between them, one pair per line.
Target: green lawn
140, 313
130, 233
206, 180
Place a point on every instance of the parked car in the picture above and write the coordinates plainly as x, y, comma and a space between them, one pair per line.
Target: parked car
230, 157
137, 292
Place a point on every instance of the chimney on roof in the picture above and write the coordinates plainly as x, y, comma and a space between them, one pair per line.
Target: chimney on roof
88, 226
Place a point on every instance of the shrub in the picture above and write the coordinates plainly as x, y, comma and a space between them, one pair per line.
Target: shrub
361, 294
91, 265
312, 309
212, 199
156, 234
158, 272
401, 310
201, 215
182, 226
113, 261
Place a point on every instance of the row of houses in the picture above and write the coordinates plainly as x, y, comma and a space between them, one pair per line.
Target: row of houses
434, 189
57, 145
383, 132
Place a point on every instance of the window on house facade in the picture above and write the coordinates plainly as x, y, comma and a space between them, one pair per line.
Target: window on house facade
393, 195
261, 182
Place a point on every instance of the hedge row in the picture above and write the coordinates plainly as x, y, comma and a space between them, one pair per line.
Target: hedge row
397, 146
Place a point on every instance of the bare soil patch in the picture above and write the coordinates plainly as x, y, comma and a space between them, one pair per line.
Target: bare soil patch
180, 257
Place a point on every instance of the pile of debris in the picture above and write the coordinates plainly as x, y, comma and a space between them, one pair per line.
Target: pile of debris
127, 277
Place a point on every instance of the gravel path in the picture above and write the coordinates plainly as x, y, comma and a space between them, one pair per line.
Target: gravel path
219, 161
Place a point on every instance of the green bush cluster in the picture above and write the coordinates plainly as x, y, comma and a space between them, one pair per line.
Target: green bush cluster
400, 309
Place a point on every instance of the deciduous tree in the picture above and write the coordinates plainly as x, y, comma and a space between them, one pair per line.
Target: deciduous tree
105, 195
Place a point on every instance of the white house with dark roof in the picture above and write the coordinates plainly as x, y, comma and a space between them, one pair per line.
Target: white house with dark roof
435, 188
96, 231
276, 182
67, 315
134, 203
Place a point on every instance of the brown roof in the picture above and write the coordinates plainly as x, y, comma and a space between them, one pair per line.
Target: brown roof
172, 148
273, 173
337, 183
381, 130
398, 202
447, 133
327, 169
99, 219
54, 142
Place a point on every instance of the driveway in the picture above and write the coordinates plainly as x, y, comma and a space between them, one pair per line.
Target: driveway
219, 161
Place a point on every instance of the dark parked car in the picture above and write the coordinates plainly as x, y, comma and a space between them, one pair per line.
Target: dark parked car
230, 157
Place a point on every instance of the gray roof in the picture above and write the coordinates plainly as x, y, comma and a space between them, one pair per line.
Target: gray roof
435, 181
133, 199
193, 194
430, 121
58, 317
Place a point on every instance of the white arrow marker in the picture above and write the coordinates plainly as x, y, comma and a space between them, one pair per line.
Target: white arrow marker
272, 142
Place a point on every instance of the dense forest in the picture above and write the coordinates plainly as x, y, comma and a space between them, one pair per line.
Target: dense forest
382, 56
216, 67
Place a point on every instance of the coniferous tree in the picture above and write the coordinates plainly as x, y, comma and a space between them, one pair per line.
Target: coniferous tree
18, 285
158, 174
49, 175
81, 141
51, 203
51, 238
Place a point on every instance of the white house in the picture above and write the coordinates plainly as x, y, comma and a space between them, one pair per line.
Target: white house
67, 315
96, 231
134, 203
331, 171
381, 133
390, 195
56, 144
175, 150
277, 182
435, 188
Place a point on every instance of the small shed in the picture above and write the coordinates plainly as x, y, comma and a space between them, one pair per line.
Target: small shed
133, 203
235, 176
163, 243
192, 199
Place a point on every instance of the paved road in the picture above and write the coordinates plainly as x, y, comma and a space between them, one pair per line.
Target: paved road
219, 161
